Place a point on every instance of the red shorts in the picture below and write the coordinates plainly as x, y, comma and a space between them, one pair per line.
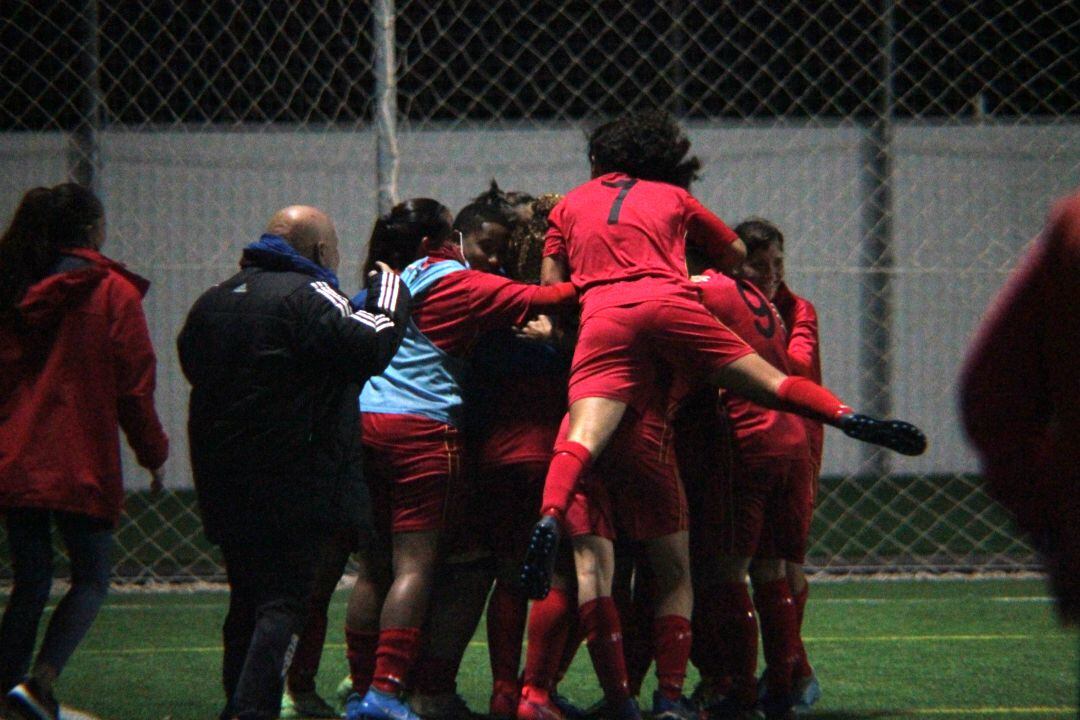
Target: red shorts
633, 490
413, 468
618, 348
763, 509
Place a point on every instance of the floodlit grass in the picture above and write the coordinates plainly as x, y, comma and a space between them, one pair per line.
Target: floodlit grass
904, 649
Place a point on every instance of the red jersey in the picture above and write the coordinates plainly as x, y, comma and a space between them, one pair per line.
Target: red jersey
804, 354
462, 305
624, 239
758, 432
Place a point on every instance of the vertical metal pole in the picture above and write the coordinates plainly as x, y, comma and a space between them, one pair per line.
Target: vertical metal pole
876, 258
83, 158
386, 110
678, 49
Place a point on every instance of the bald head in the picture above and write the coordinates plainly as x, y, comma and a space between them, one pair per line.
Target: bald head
310, 231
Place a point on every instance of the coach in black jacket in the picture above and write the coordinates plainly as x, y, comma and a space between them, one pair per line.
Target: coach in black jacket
276, 357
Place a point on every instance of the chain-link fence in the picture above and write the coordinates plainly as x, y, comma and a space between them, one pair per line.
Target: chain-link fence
909, 151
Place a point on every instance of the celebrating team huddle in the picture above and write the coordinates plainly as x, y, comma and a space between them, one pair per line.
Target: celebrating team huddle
461, 447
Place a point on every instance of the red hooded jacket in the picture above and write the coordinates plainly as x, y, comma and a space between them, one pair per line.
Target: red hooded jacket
75, 366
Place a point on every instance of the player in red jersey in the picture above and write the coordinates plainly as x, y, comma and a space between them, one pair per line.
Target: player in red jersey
621, 239
1020, 400
764, 267
756, 505
411, 417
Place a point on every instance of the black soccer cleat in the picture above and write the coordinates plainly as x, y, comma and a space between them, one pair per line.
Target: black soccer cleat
539, 564
896, 435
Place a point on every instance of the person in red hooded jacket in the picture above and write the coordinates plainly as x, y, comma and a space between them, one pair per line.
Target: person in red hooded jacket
76, 366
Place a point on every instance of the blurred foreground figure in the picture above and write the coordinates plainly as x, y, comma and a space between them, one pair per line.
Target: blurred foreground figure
1020, 400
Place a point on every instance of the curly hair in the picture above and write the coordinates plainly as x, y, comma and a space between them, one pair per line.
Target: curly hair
525, 250
649, 145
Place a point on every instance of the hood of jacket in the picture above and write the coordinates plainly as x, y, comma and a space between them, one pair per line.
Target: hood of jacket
49, 298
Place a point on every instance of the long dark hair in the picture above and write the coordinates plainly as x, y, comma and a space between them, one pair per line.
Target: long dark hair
46, 221
649, 145
396, 237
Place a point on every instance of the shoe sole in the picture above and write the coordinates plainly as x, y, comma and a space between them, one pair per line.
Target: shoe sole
25, 703
896, 435
539, 562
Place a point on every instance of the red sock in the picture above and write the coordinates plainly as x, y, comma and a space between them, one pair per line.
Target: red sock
802, 664
779, 633
571, 459
807, 398
736, 629
506, 614
305, 661
398, 648
671, 637
548, 626
603, 633
360, 652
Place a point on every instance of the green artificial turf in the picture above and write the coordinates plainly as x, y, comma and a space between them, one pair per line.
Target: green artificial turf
882, 649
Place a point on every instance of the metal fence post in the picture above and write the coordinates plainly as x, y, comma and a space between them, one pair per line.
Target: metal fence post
386, 147
83, 158
876, 258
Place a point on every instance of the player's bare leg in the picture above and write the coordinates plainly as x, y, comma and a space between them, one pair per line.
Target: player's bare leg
592, 423
362, 616
414, 560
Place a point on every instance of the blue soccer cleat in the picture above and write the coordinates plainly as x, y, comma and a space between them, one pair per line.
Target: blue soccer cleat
663, 708
378, 705
807, 691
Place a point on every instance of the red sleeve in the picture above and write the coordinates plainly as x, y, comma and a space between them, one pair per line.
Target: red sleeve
706, 230
555, 239
496, 302
803, 344
136, 376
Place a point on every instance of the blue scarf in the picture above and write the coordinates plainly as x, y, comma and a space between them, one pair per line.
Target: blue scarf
273, 253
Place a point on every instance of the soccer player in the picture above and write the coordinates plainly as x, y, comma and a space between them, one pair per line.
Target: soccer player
756, 506
515, 401
764, 267
620, 238
413, 446
1020, 400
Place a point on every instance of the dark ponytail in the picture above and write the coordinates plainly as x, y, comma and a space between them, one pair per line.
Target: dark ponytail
46, 221
396, 237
